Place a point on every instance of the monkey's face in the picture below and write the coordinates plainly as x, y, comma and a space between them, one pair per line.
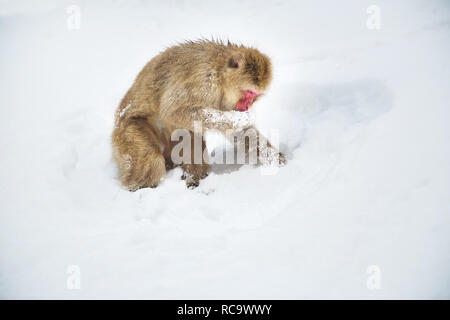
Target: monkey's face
248, 75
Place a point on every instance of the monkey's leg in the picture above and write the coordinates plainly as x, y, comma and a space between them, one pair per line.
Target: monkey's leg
253, 145
138, 154
198, 167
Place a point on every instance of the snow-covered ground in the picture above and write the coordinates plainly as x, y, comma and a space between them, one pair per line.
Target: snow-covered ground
363, 115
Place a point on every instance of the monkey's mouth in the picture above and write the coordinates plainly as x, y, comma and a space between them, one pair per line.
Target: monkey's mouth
248, 97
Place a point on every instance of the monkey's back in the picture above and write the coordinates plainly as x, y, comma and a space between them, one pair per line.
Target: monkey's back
188, 73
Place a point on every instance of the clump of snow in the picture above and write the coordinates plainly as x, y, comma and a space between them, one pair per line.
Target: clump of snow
124, 110
362, 115
121, 113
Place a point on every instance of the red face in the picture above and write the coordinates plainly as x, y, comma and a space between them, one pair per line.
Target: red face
247, 99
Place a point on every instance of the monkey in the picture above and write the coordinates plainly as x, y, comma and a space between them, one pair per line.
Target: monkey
206, 81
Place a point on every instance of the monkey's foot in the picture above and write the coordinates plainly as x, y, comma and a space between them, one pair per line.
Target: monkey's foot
194, 173
191, 182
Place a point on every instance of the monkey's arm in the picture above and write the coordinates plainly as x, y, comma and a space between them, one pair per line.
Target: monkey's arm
253, 142
210, 118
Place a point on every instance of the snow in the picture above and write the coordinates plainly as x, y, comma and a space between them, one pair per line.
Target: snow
362, 115
124, 110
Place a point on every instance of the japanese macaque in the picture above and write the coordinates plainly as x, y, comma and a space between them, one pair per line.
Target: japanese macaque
206, 82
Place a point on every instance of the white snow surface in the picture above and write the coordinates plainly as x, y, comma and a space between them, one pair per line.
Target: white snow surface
363, 116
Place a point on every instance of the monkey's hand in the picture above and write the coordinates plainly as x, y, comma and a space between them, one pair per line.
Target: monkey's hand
282, 159
268, 155
252, 141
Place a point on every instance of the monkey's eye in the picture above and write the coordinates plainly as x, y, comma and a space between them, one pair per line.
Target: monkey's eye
235, 62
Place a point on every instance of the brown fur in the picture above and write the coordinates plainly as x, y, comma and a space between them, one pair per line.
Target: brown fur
171, 92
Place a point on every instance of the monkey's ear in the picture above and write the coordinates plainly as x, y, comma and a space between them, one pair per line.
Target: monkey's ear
235, 61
